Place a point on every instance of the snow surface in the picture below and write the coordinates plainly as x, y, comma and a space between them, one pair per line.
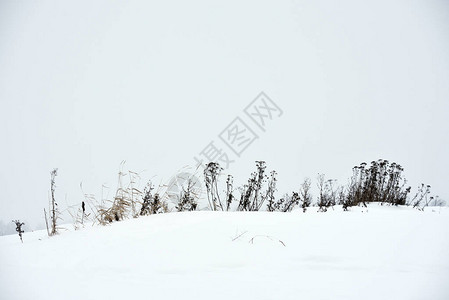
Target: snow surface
375, 253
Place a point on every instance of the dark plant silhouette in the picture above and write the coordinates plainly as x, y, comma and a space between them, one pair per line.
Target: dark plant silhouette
381, 182
152, 204
271, 189
229, 192
188, 198
286, 203
19, 228
422, 198
437, 201
305, 197
211, 173
251, 198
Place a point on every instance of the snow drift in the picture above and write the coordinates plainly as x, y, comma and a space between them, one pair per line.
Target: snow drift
379, 252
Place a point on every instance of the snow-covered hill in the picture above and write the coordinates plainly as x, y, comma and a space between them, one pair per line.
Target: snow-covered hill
375, 253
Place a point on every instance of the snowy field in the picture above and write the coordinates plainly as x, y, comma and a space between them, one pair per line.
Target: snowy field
375, 253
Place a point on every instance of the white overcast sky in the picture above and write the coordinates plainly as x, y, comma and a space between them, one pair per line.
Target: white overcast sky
87, 84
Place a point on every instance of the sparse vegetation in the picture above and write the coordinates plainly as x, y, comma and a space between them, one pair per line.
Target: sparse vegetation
122, 206
381, 182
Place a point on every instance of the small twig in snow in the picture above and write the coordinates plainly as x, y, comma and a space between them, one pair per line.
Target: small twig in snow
237, 237
251, 241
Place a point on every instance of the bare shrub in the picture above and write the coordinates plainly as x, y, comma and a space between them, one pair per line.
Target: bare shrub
422, 198
327, 193
304, 194
188, 198
437, 201
152, 204
286, 203
381, 182
251, 198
